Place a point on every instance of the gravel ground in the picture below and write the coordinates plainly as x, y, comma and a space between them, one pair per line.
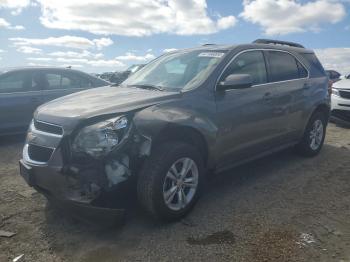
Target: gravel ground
280, 208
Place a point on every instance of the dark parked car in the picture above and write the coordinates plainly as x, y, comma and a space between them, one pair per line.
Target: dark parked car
185, 113
333, 76
22, 90
118, 77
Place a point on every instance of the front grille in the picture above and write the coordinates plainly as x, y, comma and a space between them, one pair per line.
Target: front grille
39, 153
344, 94
48, 128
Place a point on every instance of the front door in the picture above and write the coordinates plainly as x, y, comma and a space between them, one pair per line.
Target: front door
245, 116
18, 100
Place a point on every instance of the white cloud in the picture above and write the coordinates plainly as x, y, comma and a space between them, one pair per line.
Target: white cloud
335, 58
167, 50
279, 17
48, 65
15, 5
86, 58
5, 24
105, 63
102, 42
133, 18
40, 59
63, 41
64, 61
29, 50
226, 22
133, 57
72, 54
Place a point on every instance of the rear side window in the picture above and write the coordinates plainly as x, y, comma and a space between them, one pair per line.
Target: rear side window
54, 81
302, 71
16, 82
74, 81
66, 81
316, 66
283, 66
252, 63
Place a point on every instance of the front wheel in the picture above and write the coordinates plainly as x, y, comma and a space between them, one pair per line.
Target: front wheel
314, 135
170, 181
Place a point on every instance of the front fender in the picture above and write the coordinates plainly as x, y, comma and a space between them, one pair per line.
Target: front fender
152, 121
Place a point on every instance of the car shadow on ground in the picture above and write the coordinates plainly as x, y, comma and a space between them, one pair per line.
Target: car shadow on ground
231, 198
218, 185
12, 140
340, 123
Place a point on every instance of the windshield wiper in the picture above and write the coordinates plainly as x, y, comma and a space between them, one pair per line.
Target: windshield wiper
153, 87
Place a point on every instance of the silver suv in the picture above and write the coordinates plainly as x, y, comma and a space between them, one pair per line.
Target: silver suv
187, 112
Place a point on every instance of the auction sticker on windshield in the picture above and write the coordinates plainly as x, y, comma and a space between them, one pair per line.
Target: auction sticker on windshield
211, 54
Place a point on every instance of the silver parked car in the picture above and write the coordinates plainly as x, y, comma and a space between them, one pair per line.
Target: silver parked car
22, 90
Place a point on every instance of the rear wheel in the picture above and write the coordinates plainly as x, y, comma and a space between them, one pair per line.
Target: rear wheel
314, 135
170, 181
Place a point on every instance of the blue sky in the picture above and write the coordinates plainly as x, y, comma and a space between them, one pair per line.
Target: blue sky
109, 35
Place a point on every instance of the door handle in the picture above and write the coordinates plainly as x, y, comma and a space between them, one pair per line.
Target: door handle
35, 99
267, 97
306, 86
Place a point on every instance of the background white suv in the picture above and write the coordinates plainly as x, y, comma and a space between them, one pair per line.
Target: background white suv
341, 99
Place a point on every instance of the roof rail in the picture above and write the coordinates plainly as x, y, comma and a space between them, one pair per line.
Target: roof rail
208, 44
277, 42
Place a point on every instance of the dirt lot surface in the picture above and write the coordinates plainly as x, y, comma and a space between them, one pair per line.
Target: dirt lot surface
280, 208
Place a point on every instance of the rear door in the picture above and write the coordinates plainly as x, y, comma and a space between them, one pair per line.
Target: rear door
290, 79
61, 83
246, 117
18, 100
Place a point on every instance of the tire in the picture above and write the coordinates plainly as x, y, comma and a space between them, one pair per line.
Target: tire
155, 181
310, 146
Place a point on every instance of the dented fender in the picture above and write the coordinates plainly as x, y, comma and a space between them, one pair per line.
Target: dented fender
154, 120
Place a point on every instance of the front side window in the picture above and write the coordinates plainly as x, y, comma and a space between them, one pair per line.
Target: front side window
177, 71
15, 82
284, 66
251, 63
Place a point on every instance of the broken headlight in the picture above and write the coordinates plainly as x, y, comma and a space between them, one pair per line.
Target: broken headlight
101, 138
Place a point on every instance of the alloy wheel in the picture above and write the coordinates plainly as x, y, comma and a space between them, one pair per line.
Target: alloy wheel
316, 134
180, 184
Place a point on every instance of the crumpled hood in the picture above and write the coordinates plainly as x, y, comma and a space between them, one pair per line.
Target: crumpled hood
342, 84
69, 110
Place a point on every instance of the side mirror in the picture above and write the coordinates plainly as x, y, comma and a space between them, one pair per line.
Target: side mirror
235, 81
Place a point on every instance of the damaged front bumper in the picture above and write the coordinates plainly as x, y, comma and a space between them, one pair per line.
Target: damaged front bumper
88, 188
37, 177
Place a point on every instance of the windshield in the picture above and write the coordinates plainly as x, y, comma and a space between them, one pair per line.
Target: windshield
134, 68
177, 71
